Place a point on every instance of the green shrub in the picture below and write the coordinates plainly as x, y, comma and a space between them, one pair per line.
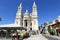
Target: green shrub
52, 32
35, 32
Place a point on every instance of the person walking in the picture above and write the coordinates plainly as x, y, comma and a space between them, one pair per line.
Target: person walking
15, 37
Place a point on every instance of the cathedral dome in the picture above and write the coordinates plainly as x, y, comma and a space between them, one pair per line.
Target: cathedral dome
26, 14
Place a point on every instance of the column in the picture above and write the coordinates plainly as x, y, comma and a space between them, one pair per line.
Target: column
28, 25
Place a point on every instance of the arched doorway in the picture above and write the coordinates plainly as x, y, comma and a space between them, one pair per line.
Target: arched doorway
25, 21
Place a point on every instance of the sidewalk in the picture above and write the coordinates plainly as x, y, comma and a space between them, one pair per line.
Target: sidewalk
53, 36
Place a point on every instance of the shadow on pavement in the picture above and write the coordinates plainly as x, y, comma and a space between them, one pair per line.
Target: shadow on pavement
49, 37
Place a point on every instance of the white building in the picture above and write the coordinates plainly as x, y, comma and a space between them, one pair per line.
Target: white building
27, 20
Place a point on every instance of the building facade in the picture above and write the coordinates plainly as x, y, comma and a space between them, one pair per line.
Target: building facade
27, 20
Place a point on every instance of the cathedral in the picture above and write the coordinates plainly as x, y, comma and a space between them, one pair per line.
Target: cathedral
27, 20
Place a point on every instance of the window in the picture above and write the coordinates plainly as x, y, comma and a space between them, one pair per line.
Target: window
26, 23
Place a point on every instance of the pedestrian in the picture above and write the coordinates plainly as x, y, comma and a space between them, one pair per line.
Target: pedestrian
57, 32
15, 37
20, 38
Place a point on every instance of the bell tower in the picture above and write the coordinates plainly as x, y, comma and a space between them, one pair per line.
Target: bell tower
34, 17
19, 15
34, 9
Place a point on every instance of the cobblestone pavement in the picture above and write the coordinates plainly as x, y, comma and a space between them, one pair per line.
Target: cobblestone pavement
50, 37
36, 37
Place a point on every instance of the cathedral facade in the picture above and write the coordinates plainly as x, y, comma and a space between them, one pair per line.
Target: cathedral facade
26, 20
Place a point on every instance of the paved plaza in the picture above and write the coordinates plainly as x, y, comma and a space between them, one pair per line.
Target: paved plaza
37, 37
51, 37
43, 37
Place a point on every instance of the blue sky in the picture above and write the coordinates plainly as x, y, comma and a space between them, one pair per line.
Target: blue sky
47, 9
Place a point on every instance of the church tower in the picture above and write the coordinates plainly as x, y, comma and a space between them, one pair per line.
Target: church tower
19, 16
34, 17
26, 20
